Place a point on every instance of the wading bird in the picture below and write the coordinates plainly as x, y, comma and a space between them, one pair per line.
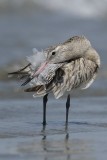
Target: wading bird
64, 67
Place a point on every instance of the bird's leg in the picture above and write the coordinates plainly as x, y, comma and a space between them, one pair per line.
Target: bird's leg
67, 108
45, 99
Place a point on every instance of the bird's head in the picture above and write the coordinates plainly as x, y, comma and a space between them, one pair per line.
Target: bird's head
57, 55
74, 47
71, 49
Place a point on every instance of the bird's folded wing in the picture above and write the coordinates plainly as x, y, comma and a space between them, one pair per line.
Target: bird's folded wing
43, 84
46, 75
77, 74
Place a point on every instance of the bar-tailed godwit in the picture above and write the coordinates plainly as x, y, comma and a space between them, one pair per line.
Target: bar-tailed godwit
60, 68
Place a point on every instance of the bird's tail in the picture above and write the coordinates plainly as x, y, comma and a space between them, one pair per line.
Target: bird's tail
22, 73
40, 90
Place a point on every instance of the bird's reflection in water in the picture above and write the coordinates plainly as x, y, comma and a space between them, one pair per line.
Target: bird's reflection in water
58, 150
44, 141
67, 148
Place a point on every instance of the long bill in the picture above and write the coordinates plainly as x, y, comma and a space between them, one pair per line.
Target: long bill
40, 69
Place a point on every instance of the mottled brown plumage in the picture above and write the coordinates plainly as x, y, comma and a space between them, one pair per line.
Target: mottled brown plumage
78, 62
67, 66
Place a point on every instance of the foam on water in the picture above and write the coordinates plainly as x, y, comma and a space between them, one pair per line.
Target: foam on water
81, 8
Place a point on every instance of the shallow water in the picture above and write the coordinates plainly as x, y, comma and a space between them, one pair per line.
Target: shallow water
23, 137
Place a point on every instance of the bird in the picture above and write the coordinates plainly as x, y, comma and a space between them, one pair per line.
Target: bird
59, 69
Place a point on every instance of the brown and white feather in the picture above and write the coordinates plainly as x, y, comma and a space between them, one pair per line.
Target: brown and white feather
74, 65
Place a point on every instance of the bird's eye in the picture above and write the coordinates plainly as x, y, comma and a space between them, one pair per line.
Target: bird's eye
53, 53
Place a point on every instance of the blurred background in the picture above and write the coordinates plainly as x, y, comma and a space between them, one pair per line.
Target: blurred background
27, 24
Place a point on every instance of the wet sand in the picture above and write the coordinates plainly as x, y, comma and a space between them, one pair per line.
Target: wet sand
22, 135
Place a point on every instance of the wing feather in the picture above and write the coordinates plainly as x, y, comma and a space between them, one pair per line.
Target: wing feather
77, 74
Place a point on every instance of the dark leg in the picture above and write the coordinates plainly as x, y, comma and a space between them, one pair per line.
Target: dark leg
45, 99
67, 108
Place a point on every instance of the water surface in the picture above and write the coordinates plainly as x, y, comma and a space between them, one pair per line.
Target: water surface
22, 135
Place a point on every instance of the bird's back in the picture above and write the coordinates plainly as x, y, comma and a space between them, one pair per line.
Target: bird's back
79, 73
74, 65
